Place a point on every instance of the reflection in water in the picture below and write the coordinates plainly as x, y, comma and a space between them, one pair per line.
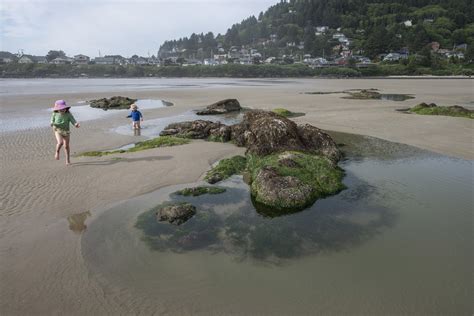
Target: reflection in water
393, 236
242, 231
137, 132
395, 97
77, 222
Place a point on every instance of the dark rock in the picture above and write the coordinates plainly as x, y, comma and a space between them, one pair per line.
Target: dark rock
281, 192
423, 105
459, 109
198, 129
287, 162
315, 140
265, 133
221, 107
116, 102
176, 213
214, 178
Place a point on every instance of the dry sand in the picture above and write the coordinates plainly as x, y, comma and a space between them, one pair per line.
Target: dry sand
41, 268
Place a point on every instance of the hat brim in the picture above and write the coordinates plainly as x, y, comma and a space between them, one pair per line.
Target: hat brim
60, 107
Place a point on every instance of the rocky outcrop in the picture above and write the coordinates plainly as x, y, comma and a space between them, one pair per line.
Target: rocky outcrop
116, 102
281, 192
198, 129
264, 133
319, 142
221, 107
175, 213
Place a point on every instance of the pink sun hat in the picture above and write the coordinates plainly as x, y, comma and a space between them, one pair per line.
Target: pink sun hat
60, 105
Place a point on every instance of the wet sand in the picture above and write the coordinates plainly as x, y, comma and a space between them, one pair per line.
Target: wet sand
41, 268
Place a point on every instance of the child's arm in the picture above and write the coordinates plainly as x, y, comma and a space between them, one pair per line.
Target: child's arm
130, 115
73, 120
52, 119
141, 115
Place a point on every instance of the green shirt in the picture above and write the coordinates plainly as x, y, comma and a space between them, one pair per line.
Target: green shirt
62, 120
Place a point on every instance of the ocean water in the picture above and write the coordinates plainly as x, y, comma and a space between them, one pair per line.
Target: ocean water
17, 121
397, 241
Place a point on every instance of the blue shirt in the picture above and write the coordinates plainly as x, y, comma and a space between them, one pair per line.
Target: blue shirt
135, 115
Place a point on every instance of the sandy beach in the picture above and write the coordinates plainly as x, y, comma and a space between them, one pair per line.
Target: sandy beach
42, 270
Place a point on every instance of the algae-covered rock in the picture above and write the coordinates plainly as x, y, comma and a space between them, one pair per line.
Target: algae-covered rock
226, 168
364, 94
292, 180
271, 188
199, 129
196, 191
116, 102
433, 109
264, 133
221, 107
175, 213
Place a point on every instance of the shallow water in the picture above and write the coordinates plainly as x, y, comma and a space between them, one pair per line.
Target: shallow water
152, 128
392, 243
17, 121
64, 85
395, 97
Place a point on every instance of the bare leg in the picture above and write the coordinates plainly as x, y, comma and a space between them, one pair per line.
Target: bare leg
59, 144
66, 149
138, 125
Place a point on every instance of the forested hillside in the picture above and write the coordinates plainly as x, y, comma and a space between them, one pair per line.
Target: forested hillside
373, 27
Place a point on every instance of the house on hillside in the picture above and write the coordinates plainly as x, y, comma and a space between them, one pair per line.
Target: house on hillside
62, 61
104, 60
392, 57
25, 59
81, 59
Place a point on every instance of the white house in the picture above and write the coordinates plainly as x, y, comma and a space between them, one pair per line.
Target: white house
25, 60
81, 59
61, 61
392, 57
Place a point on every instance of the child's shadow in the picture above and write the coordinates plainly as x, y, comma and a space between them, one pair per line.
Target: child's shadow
119, 160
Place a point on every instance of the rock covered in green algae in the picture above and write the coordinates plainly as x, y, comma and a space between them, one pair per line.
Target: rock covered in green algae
177, 213
433, 109
196, 191
115, 102
293, 180
199, 129
363, 94
265, 133
226, 168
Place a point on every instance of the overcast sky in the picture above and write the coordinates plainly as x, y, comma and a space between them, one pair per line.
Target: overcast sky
124, 27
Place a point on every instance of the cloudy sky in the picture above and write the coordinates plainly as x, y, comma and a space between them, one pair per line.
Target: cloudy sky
124, 27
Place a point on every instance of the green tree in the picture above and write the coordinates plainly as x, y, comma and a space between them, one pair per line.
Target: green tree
53, 54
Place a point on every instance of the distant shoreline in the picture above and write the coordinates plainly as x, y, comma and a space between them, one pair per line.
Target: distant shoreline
229, 77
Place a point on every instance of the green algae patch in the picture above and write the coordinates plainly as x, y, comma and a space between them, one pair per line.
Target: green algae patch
162, 141
197, 191
363, 94
286, 113
433, 109
226, 168
292, 180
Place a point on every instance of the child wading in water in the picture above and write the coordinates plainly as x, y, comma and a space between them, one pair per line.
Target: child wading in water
136, 116
60, 120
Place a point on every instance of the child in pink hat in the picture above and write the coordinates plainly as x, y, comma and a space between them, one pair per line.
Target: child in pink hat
60, 120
